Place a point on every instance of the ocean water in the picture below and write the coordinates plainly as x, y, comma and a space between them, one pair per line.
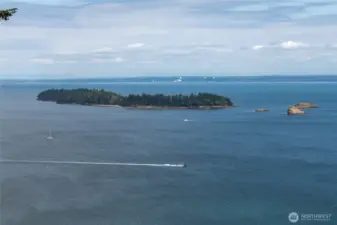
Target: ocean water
244, 168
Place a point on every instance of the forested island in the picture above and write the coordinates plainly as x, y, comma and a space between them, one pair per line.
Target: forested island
96, 97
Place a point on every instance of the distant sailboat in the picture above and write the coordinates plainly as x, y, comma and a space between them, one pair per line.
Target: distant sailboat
50, 136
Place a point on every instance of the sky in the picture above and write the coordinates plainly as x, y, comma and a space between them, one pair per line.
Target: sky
114, 38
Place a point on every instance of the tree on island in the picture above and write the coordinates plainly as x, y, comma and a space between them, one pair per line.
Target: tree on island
7, 13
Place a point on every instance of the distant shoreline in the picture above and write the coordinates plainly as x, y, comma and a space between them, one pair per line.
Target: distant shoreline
147, 107
113, 106
176, 107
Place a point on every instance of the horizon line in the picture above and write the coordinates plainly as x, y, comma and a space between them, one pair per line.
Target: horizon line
164, 76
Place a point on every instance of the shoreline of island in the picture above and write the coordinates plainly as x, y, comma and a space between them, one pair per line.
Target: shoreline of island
177, 107
102, 98
107, 106
147, 107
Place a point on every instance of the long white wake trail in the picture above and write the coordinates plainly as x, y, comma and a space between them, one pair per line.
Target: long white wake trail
90, 163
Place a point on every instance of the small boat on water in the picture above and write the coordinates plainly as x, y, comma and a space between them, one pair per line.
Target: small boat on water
181, 165
50, 137
180, 79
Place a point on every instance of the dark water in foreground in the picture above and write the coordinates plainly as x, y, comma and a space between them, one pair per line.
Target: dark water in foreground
244, 168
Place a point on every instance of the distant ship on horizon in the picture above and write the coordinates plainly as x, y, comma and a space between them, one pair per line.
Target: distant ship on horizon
180, 79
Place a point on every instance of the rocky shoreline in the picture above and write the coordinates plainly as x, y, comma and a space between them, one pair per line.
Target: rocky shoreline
296, 109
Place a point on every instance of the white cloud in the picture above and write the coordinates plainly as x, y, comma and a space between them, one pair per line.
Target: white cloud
293, 45
257, 47
108, 60
136, 45
284, 45
104, 49
42, 60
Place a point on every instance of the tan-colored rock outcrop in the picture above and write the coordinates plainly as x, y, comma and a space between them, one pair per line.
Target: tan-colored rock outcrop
293, 110
305, 105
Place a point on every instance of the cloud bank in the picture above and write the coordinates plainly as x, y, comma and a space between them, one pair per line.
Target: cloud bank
55, 38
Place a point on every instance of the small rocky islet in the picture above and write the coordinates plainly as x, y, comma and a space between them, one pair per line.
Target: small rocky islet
298, 109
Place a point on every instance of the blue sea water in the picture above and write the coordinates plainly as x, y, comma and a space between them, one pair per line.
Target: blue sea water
244, 168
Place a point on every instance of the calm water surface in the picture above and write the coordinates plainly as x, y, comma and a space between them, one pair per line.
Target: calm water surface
243, 167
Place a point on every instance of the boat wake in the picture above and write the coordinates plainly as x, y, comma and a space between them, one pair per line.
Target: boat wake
181, 165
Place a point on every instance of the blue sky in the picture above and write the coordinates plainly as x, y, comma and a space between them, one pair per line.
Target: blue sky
83, 38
